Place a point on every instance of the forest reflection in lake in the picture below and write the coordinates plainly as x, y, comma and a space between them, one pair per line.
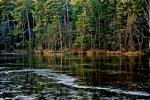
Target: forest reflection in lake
73, 77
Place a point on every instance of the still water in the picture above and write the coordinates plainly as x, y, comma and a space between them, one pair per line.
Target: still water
31, 77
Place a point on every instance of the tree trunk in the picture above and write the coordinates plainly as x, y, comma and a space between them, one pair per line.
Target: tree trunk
149, 16
149, 20
60, 34
29, 32
99, 25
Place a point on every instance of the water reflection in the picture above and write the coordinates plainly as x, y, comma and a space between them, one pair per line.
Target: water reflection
73, 77
103, 69
120, 72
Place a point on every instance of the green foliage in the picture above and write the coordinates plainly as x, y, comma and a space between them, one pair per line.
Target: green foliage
82, 42
98, 24
6, 32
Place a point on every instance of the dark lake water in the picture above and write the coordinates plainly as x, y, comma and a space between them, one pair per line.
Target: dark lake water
31, 77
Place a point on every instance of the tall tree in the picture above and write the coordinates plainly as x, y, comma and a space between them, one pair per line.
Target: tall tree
23, 17
6, 24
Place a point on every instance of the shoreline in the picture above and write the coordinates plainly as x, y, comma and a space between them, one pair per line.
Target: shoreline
77, 52
89, 53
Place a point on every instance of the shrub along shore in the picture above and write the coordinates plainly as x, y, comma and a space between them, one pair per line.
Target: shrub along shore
79, 52
89, 53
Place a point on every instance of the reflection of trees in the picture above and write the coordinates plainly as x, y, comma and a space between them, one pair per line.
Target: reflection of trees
102, 70
112, 70
122, 72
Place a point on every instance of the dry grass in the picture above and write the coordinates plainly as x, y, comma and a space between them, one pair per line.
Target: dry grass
89, 53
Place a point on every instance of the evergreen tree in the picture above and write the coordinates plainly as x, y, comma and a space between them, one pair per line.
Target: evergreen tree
6, 24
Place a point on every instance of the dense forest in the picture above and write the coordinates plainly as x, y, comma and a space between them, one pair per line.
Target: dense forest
114, 25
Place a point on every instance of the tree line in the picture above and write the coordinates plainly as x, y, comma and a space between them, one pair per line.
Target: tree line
86, 24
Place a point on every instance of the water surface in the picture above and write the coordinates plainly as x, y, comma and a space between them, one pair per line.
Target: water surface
71, 77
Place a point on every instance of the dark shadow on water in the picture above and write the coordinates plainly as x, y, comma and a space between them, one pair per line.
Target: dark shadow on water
95, 78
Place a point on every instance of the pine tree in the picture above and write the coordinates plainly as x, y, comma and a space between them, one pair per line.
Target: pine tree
6, 24
22, 16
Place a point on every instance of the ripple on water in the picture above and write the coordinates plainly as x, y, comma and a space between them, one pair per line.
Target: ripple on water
21, 97
72, 82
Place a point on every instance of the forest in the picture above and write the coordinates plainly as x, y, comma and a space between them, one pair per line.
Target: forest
74, 49
59, 25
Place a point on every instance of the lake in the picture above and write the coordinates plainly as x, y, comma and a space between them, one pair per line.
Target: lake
30, 77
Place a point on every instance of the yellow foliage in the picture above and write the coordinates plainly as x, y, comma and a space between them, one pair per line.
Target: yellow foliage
74, 2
